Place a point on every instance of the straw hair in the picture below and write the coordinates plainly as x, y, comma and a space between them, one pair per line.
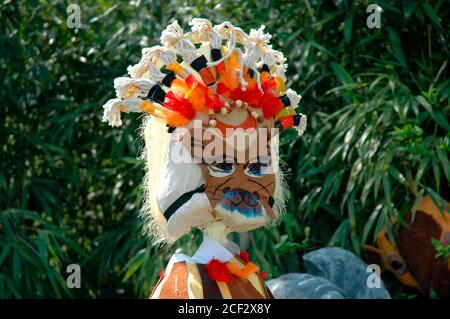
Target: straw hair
156, 139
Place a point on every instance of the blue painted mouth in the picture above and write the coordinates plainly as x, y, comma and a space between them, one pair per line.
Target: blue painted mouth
243, 202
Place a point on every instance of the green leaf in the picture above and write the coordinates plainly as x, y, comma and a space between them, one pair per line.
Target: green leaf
370, 222
340, 234
437, 174
133, 265
342, 75
416, 204
6, 248
432, 15
348, 24
352, 213
438, 201
397, 47
397, 175
12, 286
437, 116
421, 170
387, 189
42, 246
443, 158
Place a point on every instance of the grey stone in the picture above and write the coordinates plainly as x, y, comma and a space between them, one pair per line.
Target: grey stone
345, 270
303, 286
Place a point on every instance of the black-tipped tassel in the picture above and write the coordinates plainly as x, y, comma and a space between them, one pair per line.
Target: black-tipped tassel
168, 79
297, 118
288, 121
200, 65
157, 94
285, 100
216, 55
251, 72
265, 68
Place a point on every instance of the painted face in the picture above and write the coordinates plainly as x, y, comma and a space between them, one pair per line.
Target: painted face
239, 177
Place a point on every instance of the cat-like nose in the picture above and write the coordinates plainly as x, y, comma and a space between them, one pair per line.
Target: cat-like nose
239, 195
249, 198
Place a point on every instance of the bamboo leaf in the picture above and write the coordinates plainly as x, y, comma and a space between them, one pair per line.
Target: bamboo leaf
397, 175
370, 222
397, 47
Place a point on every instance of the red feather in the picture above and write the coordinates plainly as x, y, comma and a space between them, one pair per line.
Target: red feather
262, 274
191, 80
244, 256
265, 100
214, 102
222, 89
253, 97
218, 271
179, 104
269, 86
237, 94
271, 105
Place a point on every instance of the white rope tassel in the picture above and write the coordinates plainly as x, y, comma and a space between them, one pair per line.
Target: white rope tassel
203, 30
148, 60
258, 79
136, 71
272, 57
227, 32
241, 71
132, 105
167, 56
113, 108
275, 59
173, 36
252, 51
293, 97
160, 53
301, 128
280, 71
255, 48
111, 113
123, 85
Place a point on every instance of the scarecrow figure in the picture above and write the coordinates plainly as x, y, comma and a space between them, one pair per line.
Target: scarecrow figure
216, 100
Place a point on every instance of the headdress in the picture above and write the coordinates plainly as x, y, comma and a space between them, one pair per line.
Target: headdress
206, 74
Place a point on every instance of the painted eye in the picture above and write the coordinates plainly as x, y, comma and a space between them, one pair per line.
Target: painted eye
221, 169
396, 264
257, 169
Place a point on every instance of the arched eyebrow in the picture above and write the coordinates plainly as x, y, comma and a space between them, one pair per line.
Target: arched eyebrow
265, 159
220, 159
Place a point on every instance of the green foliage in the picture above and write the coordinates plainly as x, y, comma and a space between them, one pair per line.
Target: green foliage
442, 251
377, 102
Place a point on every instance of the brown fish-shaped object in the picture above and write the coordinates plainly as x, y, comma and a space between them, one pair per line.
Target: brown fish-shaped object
413, 258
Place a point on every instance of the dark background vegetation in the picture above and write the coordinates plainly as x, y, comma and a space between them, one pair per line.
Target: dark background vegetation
377, 102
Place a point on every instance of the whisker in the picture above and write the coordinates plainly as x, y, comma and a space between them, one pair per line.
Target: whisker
262, 186
218, 187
